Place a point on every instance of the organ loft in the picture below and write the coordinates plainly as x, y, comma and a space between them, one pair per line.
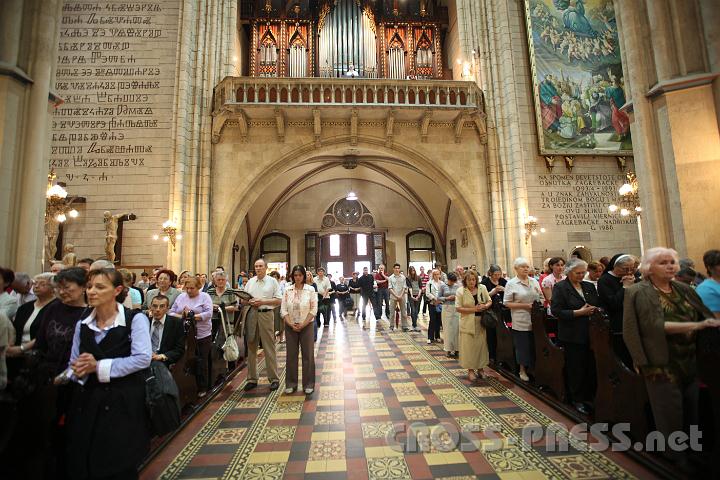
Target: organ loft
395, 39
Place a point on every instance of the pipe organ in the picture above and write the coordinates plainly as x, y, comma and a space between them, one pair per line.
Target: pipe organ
329, 38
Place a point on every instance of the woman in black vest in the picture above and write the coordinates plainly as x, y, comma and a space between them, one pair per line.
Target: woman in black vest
107, 429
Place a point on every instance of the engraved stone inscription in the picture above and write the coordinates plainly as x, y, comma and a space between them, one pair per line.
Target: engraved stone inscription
116, 70
583, 200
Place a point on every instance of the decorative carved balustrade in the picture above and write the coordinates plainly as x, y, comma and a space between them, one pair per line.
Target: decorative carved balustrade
440, 94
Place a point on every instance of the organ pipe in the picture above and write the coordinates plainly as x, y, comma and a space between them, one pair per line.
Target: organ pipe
347, 38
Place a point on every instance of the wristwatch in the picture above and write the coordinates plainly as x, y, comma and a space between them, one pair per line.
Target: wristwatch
22, 348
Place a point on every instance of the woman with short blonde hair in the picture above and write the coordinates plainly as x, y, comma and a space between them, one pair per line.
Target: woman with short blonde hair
660, 319
471, 300
519, 295
200, 303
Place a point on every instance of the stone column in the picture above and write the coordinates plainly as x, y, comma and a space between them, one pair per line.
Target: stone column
206, 55
25, 118
674, 123
29, 256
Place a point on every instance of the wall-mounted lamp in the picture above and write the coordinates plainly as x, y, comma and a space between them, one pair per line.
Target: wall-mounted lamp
532, 227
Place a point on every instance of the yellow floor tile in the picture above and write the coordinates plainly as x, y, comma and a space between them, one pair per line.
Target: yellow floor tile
522, 475
444, 458
377, 452
319, 436
335, 466
269, 457
374, 412
286, 416
315, 466
459, 407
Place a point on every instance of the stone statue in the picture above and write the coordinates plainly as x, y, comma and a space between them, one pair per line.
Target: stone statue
69, 257
111, 227
52, 230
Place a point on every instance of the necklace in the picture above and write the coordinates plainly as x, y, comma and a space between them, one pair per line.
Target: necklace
660, 289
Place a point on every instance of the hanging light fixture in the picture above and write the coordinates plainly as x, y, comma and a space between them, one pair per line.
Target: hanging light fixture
351, 196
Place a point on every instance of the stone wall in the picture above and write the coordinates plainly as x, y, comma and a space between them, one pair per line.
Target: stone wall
112, 138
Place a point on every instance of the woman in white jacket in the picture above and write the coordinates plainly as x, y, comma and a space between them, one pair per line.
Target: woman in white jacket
298, 309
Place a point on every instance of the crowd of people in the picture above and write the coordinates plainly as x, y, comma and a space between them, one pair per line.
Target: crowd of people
75, 342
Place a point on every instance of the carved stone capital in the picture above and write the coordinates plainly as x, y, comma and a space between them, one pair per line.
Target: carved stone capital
459, 125
389, 127
425, 125
280, 124
317, 126
354, 127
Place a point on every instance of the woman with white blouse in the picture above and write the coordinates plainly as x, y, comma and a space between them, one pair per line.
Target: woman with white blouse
520, 294
298, 309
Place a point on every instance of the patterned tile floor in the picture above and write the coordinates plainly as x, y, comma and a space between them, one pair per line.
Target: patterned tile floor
386, 406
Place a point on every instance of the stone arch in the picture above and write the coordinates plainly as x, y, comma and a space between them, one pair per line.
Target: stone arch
308, 151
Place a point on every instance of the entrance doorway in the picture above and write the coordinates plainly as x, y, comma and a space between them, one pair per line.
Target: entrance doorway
341, 254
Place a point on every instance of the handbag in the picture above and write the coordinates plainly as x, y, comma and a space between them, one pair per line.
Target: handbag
489, 319
230, 349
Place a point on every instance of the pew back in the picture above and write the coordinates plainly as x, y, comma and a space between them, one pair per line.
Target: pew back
549, 357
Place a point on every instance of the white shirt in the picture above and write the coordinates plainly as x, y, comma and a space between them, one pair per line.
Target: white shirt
8, 305
266, 288
397, 284
160, 328
517, 291
28, 324
299, 303
323, 286
23, 298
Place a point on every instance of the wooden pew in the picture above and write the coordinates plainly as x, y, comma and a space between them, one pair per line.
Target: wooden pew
184, 370
708, 359
621, 395
549, 357
505, 352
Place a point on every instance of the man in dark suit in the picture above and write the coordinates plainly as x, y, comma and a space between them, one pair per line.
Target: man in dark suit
167, 335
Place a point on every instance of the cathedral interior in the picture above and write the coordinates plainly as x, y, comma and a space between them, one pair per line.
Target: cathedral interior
202, 136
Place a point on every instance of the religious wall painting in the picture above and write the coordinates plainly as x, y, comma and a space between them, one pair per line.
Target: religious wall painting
578, 79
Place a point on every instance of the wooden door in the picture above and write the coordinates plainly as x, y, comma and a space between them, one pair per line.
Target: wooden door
346, 249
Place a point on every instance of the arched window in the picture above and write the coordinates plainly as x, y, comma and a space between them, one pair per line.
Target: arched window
420, 249
275, 249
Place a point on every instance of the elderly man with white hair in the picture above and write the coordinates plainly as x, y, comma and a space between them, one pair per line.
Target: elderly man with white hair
22, 289
660, 322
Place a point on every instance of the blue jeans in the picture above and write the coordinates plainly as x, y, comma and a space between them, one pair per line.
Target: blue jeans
414, 310
382, 295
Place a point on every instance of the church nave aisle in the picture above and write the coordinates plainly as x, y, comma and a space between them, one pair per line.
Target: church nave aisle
369, 386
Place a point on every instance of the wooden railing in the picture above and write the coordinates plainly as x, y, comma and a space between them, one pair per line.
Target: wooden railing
233, 91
